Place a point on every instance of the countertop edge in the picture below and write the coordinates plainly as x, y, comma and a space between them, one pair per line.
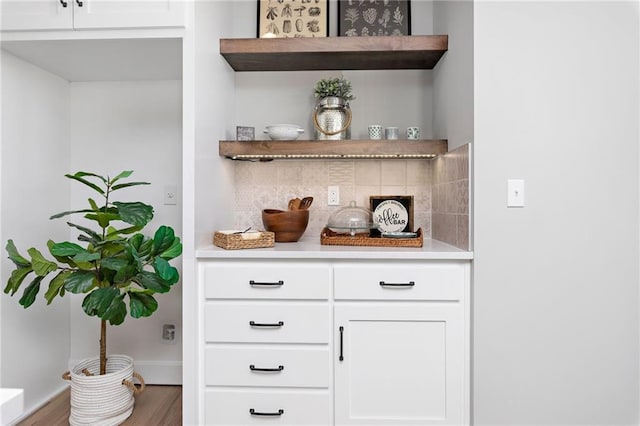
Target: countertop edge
311, 249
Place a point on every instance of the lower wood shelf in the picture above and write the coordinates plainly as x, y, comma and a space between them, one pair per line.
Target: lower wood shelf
332, 149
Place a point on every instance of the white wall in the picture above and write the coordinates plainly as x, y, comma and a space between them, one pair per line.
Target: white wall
556, 283
135, 126
35, 156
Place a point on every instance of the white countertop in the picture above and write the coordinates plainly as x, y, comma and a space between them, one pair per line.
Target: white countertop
310, 248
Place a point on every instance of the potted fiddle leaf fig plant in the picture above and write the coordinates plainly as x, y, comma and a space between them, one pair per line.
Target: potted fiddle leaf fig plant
118, 269
332, 114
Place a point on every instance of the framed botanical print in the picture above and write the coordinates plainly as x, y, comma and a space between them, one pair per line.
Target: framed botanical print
374, 18
293, 18
392, 213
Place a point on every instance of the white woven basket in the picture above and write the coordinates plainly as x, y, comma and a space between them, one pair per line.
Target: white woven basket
102, 400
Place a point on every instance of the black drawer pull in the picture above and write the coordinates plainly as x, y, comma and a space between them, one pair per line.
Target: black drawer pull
396, 285
341, 358
259, 413
277, 369
63, 3
253, 283
262, 324
79, 3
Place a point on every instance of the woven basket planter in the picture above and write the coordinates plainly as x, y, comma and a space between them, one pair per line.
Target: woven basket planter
102, 400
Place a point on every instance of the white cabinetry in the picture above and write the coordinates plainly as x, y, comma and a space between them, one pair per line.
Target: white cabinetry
401, 344
90, 14
398, 353
266, 353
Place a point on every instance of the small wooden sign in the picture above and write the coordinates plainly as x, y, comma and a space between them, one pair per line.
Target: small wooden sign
392, 213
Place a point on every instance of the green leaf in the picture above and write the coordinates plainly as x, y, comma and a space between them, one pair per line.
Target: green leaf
126, 274
174, 251
107, 303
92, 236
86, 256
82, 174
103, 219
65, 249
163, 239
93, 205
79, 177
122, 175
123, 231
128, 184
55, 286
15, 256
30, 293
113, 263
135, 213
15, 280
152, 281
67, 213
41, 266
80, 282
166, 272
141, 304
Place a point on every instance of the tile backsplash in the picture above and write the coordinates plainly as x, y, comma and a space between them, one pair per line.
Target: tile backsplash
440, 188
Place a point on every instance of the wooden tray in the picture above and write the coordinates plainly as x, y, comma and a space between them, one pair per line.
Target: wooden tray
330, 238
235, 241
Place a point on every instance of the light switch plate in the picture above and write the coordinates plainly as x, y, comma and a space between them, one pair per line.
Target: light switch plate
515, 193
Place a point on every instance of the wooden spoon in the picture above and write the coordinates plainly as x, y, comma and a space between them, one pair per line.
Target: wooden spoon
305, 203
294, 204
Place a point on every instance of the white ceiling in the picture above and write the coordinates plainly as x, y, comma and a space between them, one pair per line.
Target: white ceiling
104, 60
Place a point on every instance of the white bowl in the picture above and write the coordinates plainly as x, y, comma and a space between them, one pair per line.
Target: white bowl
287, 132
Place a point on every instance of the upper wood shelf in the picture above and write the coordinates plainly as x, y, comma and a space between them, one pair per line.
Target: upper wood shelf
332, 149
334, 53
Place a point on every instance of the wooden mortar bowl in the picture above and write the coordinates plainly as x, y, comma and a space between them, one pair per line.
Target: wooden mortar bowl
288, 225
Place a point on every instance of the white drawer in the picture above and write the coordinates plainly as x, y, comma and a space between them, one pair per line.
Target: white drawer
267, 322
231, 407
251, 366
434, 281
258, 280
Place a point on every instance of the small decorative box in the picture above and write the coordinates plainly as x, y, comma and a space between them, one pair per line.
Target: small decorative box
233, 240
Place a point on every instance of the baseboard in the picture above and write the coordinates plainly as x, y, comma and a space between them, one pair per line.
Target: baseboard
154, 372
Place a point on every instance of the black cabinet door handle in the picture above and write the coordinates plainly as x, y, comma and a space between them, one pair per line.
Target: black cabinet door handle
397, 285
266, 324
253, 283
277, 369
260, 413
79, 3
64, 3
341, 358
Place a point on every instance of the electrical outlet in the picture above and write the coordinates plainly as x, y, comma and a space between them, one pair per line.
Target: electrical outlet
333, 196
168, 333
170, 195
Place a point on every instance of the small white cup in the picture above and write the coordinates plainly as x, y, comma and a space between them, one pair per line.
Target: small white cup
413, 133
375, 131
391, 133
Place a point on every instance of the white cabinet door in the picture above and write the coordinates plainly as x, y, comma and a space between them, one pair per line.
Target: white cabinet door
399, 364
91, 14
36, 14
128, 14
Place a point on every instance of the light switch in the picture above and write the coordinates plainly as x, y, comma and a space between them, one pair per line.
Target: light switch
170, 195
515, 193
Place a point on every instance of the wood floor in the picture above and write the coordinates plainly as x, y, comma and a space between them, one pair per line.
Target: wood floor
157, 405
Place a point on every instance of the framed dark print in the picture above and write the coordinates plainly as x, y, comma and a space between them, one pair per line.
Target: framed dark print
374, 18
392, 213
293, 18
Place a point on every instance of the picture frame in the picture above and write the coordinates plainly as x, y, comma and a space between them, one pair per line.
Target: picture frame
245, 133
381, 18
392, 213
293, 18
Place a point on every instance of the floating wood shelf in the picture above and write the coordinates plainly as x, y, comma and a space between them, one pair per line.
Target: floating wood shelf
344, 149
334, 53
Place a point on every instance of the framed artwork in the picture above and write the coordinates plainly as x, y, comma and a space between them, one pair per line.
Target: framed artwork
245, 133
293, 18
374, 18
392, 213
